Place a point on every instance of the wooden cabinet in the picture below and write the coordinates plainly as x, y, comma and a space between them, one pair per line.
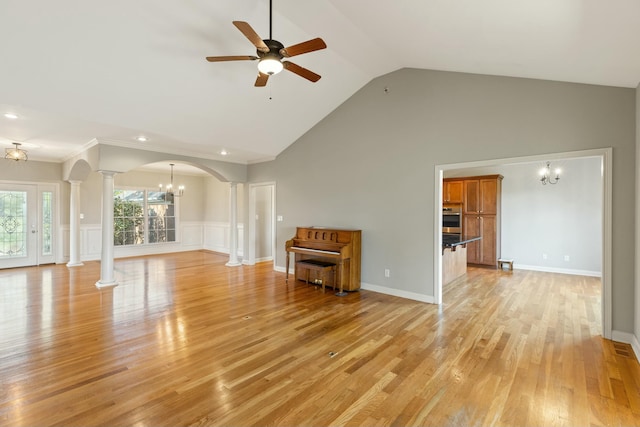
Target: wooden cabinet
471, 227
481, 194
486, 250
482, 217
452, 191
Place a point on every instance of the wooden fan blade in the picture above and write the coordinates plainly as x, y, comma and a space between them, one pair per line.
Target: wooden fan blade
253, 37
302, 72
261, 80
231, 58
304, 47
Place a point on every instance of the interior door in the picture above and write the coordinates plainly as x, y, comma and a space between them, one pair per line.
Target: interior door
18, 225
264, 223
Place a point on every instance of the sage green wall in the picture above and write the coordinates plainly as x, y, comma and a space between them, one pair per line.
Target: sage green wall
191, 204
205, 199
91, 199
44, 172
216, 200
370, 163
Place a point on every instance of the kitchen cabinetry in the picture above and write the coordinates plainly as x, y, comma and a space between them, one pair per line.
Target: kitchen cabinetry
452, 191
486, 250
482, 217
481, 195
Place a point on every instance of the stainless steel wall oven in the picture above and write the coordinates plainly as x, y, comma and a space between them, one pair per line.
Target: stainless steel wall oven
452, 219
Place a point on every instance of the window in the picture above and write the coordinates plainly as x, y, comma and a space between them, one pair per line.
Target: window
143, 216
47, 223
161, 218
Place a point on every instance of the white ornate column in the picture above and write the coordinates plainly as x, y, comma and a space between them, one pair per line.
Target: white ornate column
74, 225
233, 226
107, 276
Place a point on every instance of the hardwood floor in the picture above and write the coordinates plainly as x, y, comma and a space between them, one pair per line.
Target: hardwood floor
185, 341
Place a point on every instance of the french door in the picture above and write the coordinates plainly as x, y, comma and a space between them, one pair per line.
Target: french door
26, 225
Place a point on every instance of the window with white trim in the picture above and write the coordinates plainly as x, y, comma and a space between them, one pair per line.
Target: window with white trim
143, 217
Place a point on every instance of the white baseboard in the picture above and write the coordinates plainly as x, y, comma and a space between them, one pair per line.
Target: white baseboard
398, 293
283, 270
382, 290
557, 270
635, 345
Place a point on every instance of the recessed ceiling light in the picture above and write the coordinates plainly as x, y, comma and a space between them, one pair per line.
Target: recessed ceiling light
142, 138
11, 116
224, 152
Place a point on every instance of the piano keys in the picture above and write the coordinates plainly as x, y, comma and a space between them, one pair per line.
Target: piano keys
339, 246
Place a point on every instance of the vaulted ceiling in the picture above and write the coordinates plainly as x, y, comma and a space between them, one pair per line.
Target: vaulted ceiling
77, 71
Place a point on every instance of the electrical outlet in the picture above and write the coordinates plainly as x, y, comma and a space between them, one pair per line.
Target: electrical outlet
279, 218
544, 256
566, 258
387, 272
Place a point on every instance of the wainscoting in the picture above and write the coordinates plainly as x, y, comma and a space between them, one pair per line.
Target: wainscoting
213, 236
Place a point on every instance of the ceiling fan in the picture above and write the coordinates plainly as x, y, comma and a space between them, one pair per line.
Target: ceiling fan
271, 53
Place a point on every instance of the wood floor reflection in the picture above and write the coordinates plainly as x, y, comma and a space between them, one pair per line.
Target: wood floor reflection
185, 341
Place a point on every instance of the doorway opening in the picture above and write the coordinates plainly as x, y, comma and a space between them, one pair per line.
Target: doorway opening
605, 156
262, 236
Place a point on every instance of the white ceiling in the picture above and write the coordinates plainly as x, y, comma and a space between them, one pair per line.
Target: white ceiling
79, 70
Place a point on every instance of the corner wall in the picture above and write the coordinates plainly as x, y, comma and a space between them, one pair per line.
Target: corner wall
636, 335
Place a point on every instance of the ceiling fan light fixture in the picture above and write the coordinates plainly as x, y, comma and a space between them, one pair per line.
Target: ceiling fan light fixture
270, 65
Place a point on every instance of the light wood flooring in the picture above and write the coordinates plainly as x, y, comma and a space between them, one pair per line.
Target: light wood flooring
185, 341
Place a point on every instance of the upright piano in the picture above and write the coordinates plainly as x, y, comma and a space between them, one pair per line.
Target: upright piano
338, 246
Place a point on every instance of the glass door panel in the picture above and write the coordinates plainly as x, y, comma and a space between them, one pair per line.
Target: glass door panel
46, 233
18, 225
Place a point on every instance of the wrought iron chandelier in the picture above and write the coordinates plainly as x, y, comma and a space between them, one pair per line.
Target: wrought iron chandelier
169, 189
16, 153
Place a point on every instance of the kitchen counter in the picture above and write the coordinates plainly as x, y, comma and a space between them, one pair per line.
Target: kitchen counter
454, 240
454, 255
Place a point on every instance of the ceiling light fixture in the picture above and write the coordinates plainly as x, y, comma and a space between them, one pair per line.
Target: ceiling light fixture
169, 188
224, 152
270, 65
142, 138
15, 153
545, 175
11, 116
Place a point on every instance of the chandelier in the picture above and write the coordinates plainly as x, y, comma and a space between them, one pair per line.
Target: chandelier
15, 153
169, 189
545, 175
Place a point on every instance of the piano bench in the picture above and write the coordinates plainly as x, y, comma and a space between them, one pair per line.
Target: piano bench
324, 268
